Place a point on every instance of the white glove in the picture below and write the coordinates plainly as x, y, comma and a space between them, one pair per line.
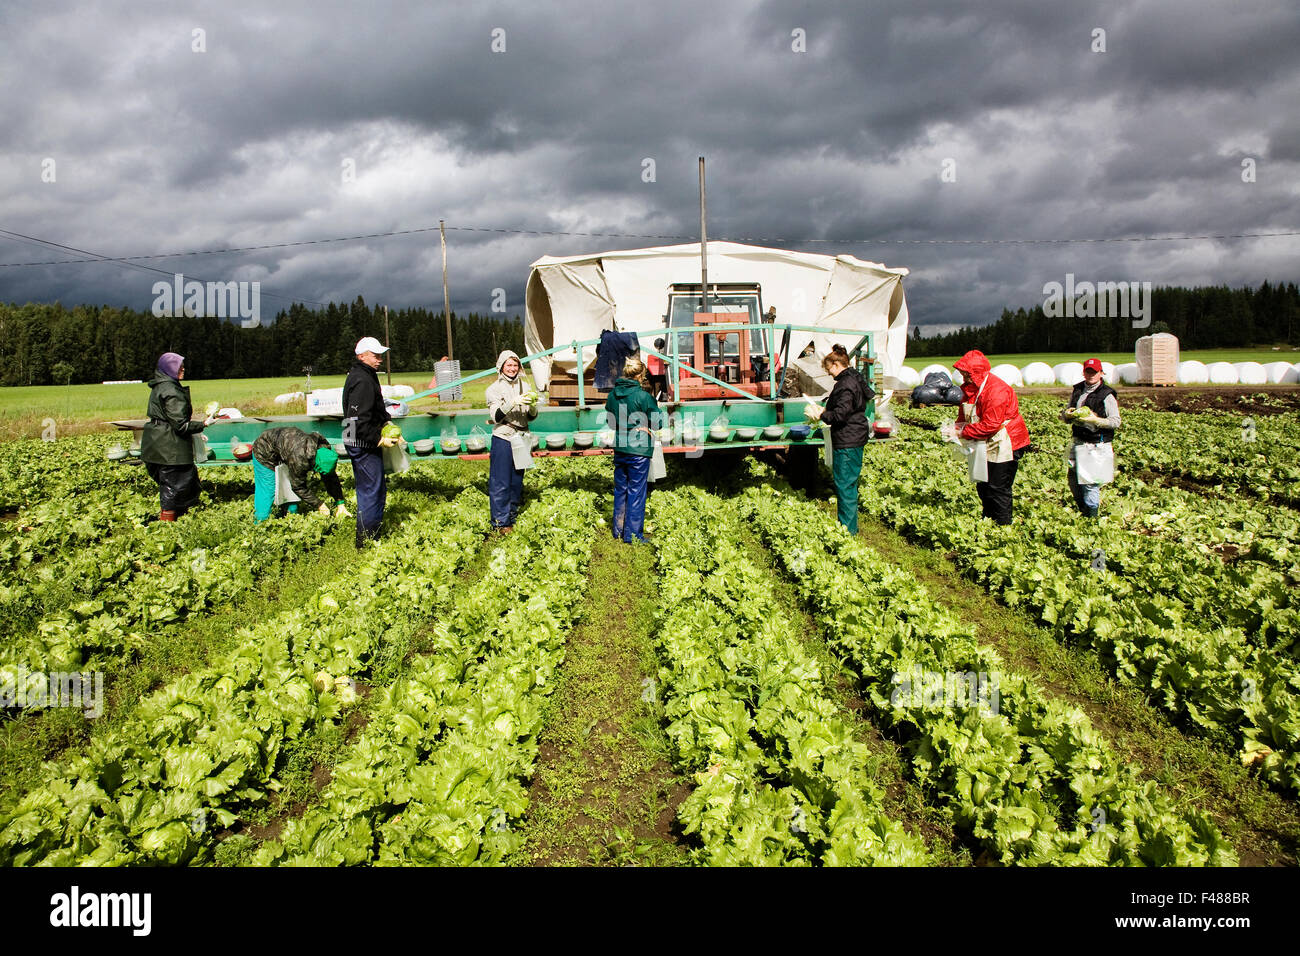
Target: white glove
342, 511
324, 509
208, 421
388, 442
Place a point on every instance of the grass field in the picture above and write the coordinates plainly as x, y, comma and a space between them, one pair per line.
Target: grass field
81, 408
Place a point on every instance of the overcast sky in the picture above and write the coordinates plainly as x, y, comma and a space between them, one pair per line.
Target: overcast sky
820, 121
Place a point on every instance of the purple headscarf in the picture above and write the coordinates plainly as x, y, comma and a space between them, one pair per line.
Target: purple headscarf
169, 363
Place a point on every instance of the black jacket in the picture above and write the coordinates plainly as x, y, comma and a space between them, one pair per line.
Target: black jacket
1097, 402
296, 450
846, 410
364, 413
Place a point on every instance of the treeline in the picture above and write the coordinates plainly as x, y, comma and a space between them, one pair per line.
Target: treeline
1207, 317
50, 344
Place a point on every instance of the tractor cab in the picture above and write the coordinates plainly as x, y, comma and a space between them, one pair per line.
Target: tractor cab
737, 357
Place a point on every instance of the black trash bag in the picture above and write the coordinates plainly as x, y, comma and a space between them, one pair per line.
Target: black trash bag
952, 395
940, 379
927, 395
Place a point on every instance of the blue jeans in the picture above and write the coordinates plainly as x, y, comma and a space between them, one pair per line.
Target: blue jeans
630, 475
1086, 497
505, 484
372, 490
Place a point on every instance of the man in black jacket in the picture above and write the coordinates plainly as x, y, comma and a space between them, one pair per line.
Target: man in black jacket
364, 416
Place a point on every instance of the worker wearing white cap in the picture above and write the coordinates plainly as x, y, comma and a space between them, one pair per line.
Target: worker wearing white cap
364, 415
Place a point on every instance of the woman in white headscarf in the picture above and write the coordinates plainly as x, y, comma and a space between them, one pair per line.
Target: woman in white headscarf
511, 406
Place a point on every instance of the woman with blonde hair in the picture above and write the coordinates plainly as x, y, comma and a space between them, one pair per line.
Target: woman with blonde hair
632, 413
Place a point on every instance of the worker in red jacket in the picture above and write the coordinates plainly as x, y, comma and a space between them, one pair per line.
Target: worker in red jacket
990, 413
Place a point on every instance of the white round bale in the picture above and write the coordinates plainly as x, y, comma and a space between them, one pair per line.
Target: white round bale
1068, 373
1277, 372
1222, 373
1038, 373
402, 391
1108, 371
1127, 373
910, 377
1251, 373
1192, 372
1009, 374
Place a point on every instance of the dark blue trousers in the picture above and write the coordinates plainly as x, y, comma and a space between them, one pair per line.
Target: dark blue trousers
372, 490
631, 473
505, 484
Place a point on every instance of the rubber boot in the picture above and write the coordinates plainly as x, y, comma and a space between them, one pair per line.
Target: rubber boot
166, 516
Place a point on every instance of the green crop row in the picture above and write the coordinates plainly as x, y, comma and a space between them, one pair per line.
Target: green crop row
1027, 775
1214, 678
437, 776
203, 748
780, 778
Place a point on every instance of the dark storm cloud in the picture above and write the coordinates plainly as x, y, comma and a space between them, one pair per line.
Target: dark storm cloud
160, 148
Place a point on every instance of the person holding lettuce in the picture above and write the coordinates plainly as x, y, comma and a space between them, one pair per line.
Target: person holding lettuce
633, 414
167, 440
511, 406
990, 413
846, 414
1093, 416
302, 454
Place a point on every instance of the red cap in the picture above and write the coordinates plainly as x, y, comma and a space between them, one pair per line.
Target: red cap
1092, 365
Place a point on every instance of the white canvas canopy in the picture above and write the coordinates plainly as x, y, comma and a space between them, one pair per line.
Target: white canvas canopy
573, 298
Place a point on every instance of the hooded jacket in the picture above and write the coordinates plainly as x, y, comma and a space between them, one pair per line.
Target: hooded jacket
167, 438
364, 413
630, 411
296, 450
505, 414
996, 405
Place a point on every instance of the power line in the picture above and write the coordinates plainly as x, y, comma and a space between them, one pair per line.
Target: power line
621, 235
123, 260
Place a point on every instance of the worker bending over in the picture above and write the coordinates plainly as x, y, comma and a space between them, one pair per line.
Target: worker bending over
301, 454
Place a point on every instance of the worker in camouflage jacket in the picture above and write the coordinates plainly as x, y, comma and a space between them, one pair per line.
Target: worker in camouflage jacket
302, 453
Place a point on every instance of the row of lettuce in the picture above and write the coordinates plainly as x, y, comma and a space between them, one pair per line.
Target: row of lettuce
1210, 633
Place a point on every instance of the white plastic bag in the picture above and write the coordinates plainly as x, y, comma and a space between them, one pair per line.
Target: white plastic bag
284, 494
658, 467
1094, 463
828, 453
975, 455
522, 451
396, 460
200, 443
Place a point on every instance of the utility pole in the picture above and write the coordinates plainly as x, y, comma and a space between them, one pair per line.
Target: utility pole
446, 298
704, 245
388, 355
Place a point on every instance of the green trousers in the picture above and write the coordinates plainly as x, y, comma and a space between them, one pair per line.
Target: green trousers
846, 466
